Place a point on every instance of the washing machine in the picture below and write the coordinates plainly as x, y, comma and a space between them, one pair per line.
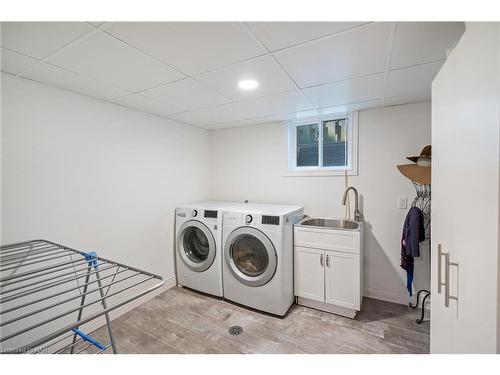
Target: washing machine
258, 256
199, 247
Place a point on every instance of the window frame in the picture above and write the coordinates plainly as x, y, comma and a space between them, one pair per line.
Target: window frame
352, 146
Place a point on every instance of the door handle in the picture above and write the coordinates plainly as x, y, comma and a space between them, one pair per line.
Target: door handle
328, 261
321, 260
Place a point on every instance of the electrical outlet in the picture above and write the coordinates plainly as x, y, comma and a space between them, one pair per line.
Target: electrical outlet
402, 202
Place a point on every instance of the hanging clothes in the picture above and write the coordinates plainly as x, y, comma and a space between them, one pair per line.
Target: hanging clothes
413, 234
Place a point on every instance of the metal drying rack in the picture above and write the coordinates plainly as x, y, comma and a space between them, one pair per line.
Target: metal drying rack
51, 295
423, 201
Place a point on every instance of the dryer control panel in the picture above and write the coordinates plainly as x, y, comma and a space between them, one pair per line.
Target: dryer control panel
253, 219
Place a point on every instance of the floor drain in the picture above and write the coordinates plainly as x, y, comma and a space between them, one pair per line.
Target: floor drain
235, 330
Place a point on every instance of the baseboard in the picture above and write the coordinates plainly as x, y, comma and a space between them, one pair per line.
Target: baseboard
348, 313
389, 296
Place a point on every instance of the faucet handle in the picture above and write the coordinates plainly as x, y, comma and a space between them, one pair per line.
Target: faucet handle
358, 216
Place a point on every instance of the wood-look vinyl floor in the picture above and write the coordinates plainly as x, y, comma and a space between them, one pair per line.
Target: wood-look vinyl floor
184, 321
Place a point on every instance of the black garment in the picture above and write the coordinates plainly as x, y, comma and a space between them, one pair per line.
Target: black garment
413, 234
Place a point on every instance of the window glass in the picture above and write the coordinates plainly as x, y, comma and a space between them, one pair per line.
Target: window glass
308, 145
325, 145
335, 143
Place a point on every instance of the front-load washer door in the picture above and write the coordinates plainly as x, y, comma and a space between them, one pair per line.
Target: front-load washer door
196, 245
250, 256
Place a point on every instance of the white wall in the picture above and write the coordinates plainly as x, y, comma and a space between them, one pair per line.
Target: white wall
96, 176
250, 163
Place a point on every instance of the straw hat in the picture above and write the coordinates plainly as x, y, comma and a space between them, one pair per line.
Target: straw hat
420, 172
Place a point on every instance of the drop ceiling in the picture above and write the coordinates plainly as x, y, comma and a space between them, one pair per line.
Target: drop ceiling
189, 72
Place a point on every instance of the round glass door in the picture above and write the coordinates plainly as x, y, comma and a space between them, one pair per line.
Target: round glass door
196, 245
250, 256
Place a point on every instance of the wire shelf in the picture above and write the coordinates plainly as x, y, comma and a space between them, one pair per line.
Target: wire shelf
51, 295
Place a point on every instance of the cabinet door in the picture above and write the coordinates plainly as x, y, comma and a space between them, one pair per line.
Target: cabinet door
476, 86
465, 200
342, 279
309, 273
443, 189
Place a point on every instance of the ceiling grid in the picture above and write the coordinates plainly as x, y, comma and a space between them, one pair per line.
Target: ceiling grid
189, 72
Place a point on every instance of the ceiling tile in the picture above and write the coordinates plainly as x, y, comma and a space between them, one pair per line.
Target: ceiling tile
406, 99
349, 91
13, 62
65, 79
191, 47
412, 80
352, 107
328, 110
40, 39
261, 107
421, 42
271, 78
270, 105
358, 52
146, 105
234, 124
294, 115
104, 57
187, 94
278, 35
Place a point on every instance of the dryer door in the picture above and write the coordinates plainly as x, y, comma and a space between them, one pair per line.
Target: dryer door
250, 256
196, 245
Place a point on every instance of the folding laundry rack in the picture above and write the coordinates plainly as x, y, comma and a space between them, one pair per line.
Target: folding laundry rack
51, 295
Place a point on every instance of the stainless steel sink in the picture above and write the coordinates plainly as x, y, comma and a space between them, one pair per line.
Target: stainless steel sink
329, 223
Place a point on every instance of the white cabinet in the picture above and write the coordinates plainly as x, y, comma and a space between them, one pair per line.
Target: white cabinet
465, 199
328, 269
443, 186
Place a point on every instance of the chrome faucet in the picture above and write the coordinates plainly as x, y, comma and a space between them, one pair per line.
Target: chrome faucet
357, 213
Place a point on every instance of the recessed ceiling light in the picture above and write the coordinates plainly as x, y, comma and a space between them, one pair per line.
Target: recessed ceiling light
248, 84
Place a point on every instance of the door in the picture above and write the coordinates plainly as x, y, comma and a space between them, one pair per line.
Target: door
443, 188
342, 279
196, 245
250, 256
309, 273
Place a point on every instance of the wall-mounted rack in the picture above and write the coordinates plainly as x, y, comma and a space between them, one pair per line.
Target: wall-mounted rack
423, 201
51, 294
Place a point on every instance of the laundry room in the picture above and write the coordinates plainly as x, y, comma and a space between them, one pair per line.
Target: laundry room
249, 186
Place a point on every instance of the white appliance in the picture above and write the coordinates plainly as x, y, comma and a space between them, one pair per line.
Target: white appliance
258, 256
198, 246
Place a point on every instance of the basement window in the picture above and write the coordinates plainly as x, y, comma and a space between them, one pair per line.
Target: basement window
323, 146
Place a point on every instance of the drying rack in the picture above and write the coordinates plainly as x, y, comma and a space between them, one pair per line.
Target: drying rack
423, 201
52, 295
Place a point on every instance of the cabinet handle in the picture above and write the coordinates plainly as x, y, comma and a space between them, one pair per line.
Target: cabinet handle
447, 265
440, 277
321, 260
328, 261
